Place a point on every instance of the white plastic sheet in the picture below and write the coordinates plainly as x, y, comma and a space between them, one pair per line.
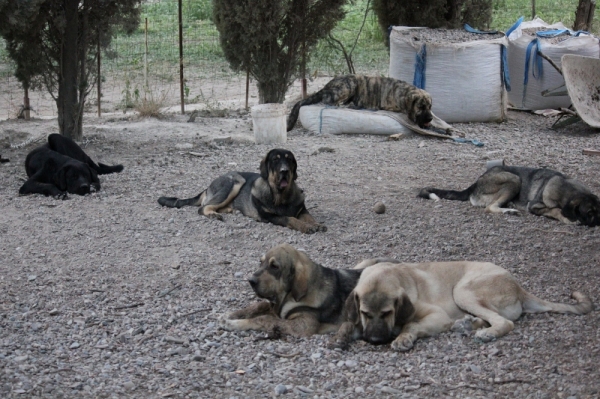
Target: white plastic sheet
529, 96
464, 79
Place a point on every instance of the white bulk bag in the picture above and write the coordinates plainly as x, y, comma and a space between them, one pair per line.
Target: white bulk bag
465, 79
529, 96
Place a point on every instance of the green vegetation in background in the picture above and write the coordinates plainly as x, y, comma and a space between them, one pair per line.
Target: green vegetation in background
203, 55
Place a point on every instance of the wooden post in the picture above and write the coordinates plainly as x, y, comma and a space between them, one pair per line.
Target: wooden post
26, 113
146, 58
99, 79
584, 15
247, 87
532, 9
181, 88
304, 69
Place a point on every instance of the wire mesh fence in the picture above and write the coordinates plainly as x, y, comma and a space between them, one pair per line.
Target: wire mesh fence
146, 63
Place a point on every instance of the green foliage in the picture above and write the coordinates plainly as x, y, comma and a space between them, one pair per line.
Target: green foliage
451, 14
269, 37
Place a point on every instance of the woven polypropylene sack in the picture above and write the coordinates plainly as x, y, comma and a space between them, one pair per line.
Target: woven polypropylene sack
529, 96
465, 79
322, 119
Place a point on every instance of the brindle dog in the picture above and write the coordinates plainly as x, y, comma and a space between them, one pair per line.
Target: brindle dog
271, 196
543, 192
371, 92
303, 297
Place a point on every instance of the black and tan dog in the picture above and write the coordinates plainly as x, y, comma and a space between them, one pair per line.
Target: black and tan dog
403, 302
543, 192
303, 297
371, 92
60, 167
271, 196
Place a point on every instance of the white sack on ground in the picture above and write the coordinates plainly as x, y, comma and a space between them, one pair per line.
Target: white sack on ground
530, 96
322, 119
464, 79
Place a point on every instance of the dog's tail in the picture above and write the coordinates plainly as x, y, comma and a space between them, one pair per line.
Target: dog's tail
313, 99
437, 193
533, 304
103, 169
173, 202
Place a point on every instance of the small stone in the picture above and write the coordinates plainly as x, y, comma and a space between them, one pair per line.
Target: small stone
20, 359
379, 208
475, 369
175, 266
421, 144
351, 364
280, 389
174, 340
130, 386
238, 274
198, 358
390, 390
53, 312
410, 388
31, 277
304, 389
184, 146
359, 390
74, 345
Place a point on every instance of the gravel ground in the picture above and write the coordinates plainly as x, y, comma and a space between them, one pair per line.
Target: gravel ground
446, 35
110, 295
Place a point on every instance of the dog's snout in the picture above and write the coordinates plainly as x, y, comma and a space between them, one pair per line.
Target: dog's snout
253, 281
284, 169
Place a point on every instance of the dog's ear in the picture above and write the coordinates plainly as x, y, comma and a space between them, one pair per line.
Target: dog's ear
301, 280
60, 178
352, 308
264, 166
404, 309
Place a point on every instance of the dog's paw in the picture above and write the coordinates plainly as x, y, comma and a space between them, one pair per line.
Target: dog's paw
336, 343
321, 228
467, 324
404, 342
484, 335
214, 216
227, 324
61, 196
511, 211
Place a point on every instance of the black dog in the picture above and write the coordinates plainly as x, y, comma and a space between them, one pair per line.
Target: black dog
271, 196
62, 167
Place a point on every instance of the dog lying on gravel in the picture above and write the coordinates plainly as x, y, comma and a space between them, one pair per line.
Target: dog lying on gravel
271, 196
543, 192
371, 92
303, 297
403, 302
60, 167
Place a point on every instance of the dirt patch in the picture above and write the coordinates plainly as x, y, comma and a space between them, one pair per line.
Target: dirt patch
111, 295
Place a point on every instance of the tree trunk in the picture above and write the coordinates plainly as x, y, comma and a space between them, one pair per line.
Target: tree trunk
67, 102
271, 92
584, 15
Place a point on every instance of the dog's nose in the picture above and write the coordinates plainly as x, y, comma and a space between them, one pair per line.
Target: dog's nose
284, 169
376, 340
253, 281
84, 188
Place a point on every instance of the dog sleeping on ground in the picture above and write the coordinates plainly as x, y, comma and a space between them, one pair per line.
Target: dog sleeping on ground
60, 167
271, 196
371, 92
543, 192
403, 302
303, 297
